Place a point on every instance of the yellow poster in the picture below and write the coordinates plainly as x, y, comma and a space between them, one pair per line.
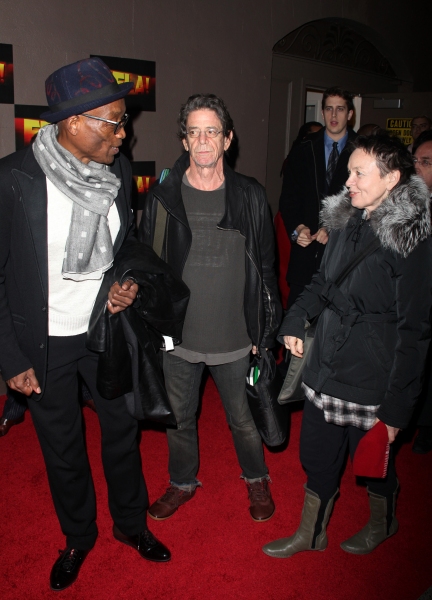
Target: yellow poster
401, 128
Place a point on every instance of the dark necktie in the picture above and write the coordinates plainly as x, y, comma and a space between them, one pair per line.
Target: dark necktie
332, 162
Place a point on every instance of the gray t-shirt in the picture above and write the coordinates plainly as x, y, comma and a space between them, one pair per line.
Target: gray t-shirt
214, 331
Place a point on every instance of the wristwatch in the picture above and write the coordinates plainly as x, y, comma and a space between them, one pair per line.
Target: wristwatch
294, 235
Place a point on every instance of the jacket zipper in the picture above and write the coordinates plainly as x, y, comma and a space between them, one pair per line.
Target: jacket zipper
270, 306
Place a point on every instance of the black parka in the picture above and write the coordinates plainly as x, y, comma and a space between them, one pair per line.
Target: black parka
371, 341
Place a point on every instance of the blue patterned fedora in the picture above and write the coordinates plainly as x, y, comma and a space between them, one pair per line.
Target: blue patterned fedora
79, 87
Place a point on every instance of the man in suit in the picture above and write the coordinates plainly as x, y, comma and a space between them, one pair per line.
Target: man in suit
64, 215
318, 168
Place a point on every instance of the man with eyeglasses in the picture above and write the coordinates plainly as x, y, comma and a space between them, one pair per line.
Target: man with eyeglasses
422, 156
418, 126
318, 169
64, 215
218, 236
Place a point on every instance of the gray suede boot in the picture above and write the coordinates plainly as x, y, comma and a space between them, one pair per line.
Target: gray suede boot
303, 538
377, 530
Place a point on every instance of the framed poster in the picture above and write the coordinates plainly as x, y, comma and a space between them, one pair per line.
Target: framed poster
6, 74
144, 176
143, 75
27, 123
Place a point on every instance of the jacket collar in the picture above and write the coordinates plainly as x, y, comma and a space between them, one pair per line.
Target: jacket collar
315, 141
169, 193
400, 222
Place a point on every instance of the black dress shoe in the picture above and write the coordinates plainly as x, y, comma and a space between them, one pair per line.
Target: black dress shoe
66, 568
145, 542
6, 424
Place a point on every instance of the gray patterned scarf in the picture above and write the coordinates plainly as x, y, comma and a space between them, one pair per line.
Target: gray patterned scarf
92, 189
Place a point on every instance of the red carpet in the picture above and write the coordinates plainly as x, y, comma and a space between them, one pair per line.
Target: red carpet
216, 546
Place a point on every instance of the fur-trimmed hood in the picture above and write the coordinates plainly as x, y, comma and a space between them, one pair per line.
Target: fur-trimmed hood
401, 221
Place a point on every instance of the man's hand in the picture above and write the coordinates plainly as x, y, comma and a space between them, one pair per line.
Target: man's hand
294, 345
121, 296
392, 431
304, 236
26, 383
255, 349
321, 236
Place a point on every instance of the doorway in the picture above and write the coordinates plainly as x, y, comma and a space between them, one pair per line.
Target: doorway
318, 55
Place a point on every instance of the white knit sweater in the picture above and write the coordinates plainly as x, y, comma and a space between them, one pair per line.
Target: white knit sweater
70, 302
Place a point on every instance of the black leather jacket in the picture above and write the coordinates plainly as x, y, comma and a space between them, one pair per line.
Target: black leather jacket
247, 211
129, 341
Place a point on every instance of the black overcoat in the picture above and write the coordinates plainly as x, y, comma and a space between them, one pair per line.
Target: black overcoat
303, 190
24, 259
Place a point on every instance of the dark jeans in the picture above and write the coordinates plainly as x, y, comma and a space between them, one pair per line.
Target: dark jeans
182, 380
58, 422
323, 448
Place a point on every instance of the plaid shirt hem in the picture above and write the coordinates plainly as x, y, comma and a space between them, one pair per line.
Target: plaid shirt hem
342, 412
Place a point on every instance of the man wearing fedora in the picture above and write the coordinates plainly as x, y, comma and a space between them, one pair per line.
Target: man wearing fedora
64, 215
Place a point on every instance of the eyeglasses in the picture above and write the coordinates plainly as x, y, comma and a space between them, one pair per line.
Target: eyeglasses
422, 161
118, 124
210, 132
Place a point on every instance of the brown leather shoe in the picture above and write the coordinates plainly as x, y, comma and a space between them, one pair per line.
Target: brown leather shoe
166, 506
261, 503
6, 424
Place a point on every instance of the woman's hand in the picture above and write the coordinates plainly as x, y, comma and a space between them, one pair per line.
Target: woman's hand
294, 345
321, 236
392, 431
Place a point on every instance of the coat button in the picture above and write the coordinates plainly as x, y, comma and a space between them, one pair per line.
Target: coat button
44, 308
41, 346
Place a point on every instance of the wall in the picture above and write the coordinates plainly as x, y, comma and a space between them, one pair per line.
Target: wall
290, 78
198, 45
414, 104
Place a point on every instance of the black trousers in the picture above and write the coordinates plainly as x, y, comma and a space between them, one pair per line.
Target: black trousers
58, 422
323, 449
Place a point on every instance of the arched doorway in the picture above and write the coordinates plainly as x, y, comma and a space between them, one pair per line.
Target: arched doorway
317, 55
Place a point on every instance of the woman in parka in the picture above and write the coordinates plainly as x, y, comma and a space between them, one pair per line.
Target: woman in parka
371, 340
